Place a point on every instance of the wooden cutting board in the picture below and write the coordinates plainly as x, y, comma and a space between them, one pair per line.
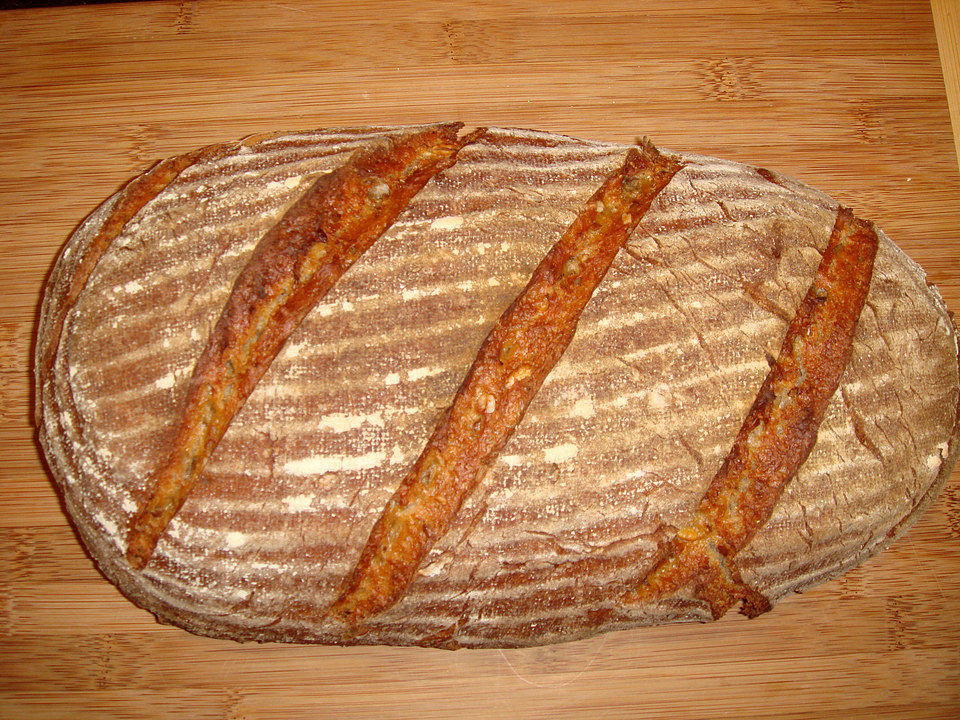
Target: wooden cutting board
847, 96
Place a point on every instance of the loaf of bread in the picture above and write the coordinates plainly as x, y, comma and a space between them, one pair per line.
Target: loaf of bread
483, 388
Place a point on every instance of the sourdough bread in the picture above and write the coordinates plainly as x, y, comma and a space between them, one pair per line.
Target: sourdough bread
616, 449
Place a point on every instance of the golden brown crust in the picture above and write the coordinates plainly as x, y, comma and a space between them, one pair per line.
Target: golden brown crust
294, 265
516, 357
777, 435
132, 198
608, 461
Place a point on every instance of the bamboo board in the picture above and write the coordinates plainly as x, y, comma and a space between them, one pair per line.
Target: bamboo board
846, 96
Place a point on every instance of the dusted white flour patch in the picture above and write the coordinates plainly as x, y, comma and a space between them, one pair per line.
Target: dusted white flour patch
292, 350
451, 222
560, 453
106, 523
235, 539
166, 382
342, 422
286, 184
583, 407
314, 465
408, 295
935, 459
659, 397
392, 379
397, 457
319, 464
176, 529
435, 568
423, 372
299, 503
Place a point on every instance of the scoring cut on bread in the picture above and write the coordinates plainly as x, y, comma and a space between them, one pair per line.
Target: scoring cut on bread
294, 265
608, 465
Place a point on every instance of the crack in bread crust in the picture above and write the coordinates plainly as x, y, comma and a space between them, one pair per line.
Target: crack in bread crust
293, 266
777, 435
512, 363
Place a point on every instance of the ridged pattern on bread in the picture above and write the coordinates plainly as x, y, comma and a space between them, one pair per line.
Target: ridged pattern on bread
294, 265
515, 358
617, 447
777, 434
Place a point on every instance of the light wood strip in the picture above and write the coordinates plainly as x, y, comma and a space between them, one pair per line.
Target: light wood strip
946, 18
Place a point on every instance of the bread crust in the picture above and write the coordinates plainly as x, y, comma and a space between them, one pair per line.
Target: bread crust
64, 287
514, 360
294, 265
777, 434
615, 450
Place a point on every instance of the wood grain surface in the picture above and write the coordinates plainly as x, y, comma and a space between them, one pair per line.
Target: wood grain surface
846, 95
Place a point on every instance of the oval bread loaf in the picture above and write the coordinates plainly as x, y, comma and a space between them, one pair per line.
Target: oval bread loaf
601, 474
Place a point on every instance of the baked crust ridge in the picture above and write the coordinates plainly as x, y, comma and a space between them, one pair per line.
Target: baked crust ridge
294, 265
777, 434
521, 349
